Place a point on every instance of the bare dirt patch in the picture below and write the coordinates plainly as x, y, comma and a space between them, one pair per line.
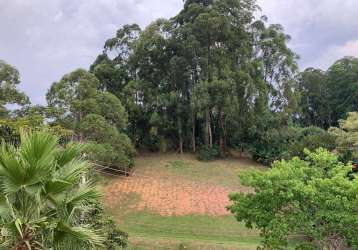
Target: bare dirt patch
158, 189
169, 197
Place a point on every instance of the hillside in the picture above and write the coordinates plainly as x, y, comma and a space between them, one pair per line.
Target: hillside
176, 202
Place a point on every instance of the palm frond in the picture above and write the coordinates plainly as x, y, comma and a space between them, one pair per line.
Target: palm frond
41, 195
12, 173
37, 154
80, 234
5, 210
67, 176
73, 170
84, 195
69, 153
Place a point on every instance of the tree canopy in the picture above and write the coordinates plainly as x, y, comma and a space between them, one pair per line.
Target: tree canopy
203, 75
96, 116
9, 94
312, 200
347, 137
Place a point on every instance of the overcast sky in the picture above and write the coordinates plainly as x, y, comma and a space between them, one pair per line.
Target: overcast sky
45, 39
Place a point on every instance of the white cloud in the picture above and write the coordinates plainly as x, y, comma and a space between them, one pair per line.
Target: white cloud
316, 26
46, 39
335, 53
58, 16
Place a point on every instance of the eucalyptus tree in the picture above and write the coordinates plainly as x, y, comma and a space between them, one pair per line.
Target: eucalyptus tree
9, 94
245, 66
343, 88
113, 67
314, 91
205, 76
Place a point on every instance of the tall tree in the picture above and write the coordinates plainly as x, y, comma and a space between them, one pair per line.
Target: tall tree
202, 77
313, 87
94, 115
9, 94
343, 87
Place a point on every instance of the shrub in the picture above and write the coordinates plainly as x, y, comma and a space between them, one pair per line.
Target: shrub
114, 237
106, 144
311, 138
272, 145
347, 137
207, 154
315, 198
287, 142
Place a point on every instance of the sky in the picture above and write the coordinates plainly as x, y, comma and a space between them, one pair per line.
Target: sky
46, 39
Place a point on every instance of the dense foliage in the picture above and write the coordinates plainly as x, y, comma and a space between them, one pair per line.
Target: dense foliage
312, 200
114, 238
9, 94
213, 77
326, 97
95, 116
203, 77
216, 76
285, 142
206, 153
347, 137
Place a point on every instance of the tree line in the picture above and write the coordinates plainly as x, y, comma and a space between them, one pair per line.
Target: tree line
212, 78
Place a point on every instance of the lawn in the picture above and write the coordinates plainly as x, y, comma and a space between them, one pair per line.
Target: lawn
176, 202
191, 231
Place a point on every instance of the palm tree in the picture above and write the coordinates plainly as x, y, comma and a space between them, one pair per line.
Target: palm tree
42, 198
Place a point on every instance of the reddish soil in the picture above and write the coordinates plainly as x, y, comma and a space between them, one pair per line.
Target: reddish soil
168, 195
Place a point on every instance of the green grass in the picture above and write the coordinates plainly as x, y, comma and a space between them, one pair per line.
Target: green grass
223, 172
141, 243
221, 231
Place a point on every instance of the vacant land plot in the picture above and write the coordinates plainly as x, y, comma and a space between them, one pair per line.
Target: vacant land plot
176, 202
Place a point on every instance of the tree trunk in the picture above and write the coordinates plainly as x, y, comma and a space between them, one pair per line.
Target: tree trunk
193, 133
81, 139
223, 134
180, 135
208, 132
222, 131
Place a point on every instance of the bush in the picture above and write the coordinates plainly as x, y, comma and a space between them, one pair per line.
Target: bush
311, 138
207, 154
107, 154
287, 142
106, 144
272, 145
315, 198
346, 156
347, 137
43, 195
114, 237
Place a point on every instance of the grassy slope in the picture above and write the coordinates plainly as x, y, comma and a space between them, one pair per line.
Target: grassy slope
192, 231
152, 231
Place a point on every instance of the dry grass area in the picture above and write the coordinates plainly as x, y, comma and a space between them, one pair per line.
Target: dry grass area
177, 201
